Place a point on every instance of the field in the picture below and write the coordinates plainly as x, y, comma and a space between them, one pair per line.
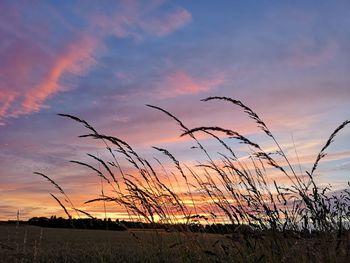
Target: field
36, 244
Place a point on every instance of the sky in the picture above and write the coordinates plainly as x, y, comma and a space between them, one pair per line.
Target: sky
105, 60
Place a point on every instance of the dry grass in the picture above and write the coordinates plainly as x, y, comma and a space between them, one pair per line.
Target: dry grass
240, 191
35, 244
235, 190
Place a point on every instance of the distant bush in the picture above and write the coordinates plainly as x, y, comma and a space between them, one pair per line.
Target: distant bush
78, 223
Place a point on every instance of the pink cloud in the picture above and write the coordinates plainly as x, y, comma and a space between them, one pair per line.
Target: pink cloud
6, 99
75, 59
181, 83
33, 75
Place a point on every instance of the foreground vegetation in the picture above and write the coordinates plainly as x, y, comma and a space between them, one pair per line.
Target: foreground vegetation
226, 187
281, 220
36, 244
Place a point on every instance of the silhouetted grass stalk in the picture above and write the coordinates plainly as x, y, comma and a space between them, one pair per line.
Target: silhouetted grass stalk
239, 191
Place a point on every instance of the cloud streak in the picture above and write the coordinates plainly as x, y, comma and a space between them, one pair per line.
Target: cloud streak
180, 82
168, 23
33, 72
75, 59
132, 20
25, 98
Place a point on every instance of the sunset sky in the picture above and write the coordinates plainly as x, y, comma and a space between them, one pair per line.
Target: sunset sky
105, 60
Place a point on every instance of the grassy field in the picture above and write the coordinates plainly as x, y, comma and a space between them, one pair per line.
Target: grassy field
36, 244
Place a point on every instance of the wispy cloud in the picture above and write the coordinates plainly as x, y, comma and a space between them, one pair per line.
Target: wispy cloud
19, 96
168, 23
182, 83
132, 19
309, 54
33, 70
75, 59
